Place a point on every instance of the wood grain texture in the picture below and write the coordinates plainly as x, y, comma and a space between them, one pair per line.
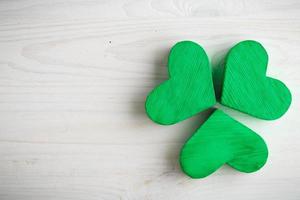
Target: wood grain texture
247, 88
73, 82
222, 140
189, 89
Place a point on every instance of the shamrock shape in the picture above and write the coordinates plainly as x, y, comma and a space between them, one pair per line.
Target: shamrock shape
189, 89
221, 139
246, 87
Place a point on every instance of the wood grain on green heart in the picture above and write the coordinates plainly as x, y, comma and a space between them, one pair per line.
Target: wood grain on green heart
189, 89
246, 86
221, 140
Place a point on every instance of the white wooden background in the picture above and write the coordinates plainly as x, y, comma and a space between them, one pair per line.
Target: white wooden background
74, 75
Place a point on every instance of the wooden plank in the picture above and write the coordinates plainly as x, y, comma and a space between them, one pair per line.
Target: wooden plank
73, 82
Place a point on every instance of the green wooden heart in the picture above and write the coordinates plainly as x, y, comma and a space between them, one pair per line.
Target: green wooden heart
221, 140
189, 89
246, 86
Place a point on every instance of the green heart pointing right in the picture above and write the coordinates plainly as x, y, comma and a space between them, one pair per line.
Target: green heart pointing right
221, 139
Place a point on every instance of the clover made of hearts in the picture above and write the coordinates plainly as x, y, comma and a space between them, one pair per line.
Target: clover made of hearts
221, 139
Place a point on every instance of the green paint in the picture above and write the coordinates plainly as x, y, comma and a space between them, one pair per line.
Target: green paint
221, 140
189, 89
246, 86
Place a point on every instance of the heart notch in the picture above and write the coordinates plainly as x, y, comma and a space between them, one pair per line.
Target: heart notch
247, 88
189, 89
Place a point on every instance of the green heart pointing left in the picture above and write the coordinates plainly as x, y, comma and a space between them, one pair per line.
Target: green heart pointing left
246, 86
189, 89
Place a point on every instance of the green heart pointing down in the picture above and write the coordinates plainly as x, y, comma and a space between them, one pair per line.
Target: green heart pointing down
189, 89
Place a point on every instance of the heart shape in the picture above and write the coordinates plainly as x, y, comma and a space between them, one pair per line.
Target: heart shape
189, 89
220, 140
246, 86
